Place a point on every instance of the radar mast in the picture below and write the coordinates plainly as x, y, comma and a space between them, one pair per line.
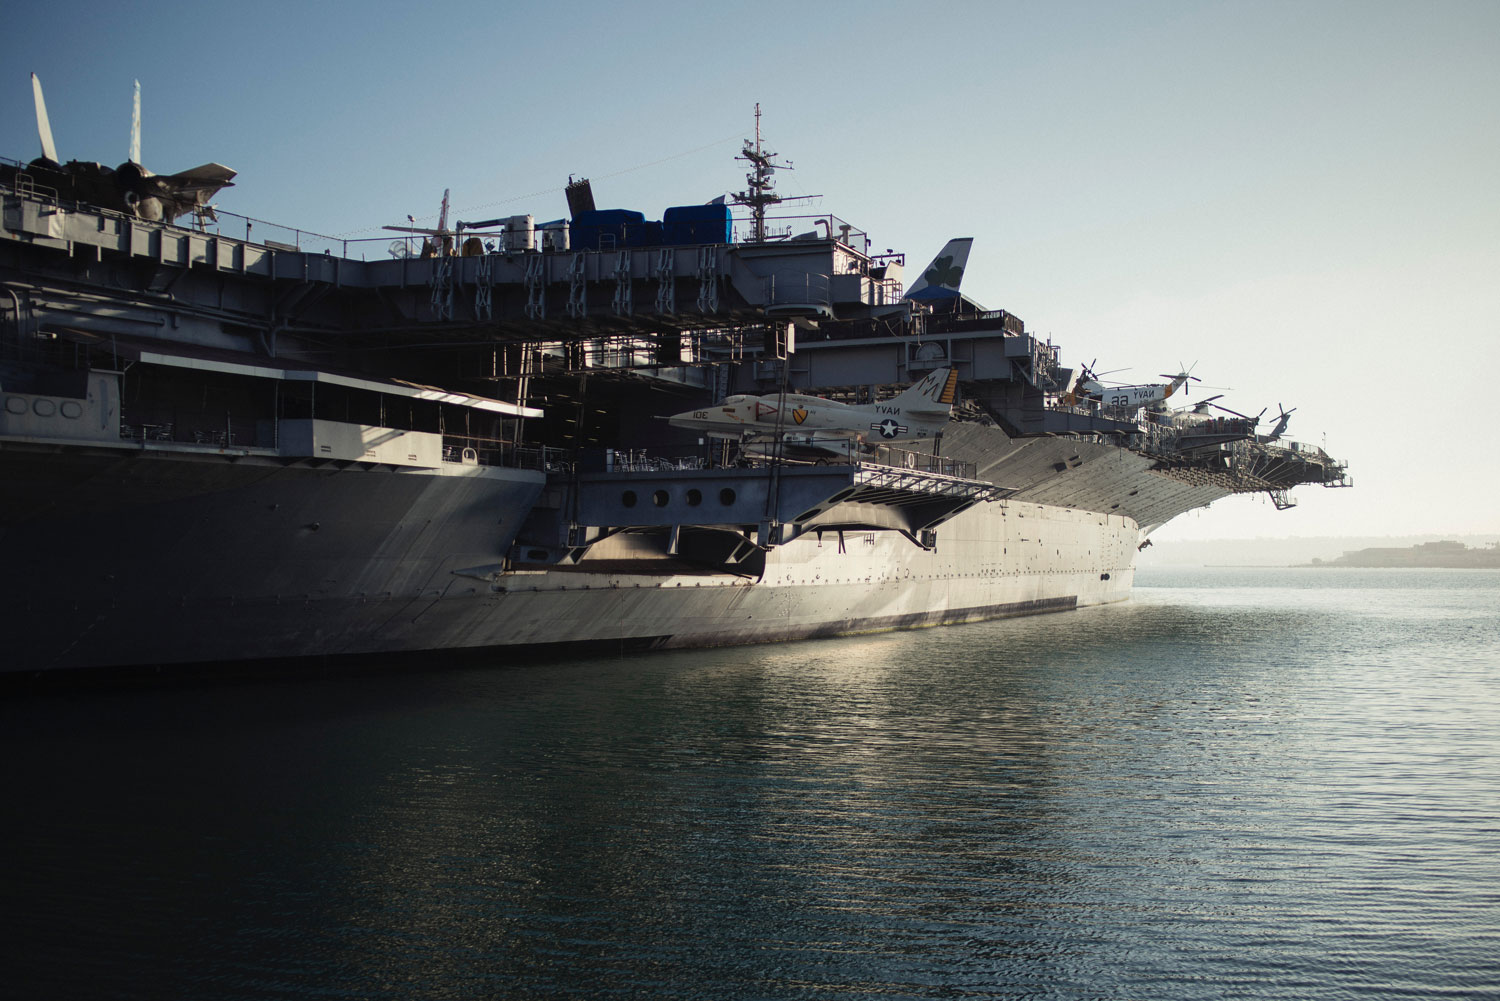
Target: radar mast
760, 180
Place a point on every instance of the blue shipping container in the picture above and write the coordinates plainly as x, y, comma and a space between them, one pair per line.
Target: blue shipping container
607, 229
684, 224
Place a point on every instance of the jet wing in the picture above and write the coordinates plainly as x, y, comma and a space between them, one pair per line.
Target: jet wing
712, 422
728, 432
702, 420
822, 446
208, 176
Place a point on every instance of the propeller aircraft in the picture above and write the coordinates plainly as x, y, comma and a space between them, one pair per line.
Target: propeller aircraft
442, 241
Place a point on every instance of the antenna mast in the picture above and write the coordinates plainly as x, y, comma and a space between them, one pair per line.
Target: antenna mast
760, 181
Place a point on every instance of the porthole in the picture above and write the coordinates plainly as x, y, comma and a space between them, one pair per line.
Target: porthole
15, 405
628, 498
72, 410
43, 408
694, 497
726, 496
660, 498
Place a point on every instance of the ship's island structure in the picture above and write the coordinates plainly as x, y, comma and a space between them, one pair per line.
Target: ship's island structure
218, 448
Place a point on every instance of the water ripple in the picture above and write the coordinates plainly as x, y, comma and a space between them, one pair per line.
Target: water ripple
1241, 784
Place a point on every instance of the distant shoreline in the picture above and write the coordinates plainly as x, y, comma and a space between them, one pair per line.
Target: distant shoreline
1444, 555
1331, 565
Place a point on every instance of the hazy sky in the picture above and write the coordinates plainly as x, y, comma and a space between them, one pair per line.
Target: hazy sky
1300, 197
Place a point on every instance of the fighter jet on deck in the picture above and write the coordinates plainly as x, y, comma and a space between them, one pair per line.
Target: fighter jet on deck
130, 187
922, 411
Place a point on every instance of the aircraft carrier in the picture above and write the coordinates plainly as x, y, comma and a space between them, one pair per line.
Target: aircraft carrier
219, 448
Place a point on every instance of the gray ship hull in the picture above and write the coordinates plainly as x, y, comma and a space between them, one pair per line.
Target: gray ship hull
123, 557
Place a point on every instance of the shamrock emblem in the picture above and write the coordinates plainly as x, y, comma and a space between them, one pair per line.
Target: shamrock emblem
943, 272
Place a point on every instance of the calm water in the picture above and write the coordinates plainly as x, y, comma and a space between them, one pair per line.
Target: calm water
1245, 783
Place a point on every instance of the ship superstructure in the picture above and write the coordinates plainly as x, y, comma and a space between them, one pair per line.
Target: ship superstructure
219, 447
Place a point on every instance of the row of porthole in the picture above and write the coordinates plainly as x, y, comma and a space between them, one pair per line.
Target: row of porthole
71, 409
661, 498
907, 577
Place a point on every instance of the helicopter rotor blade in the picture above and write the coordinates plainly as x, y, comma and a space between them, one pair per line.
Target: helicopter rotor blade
1243, 417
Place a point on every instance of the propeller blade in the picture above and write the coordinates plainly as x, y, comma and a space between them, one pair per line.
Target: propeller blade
43, 126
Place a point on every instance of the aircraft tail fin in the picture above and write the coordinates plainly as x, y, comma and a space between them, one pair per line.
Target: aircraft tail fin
935, 394
135, 126
941, 278
43, 126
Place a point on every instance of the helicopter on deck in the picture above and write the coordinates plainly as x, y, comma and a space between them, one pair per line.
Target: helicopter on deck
1087, 388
